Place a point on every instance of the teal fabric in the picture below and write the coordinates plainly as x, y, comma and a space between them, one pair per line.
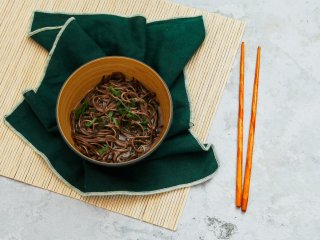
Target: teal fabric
166, 46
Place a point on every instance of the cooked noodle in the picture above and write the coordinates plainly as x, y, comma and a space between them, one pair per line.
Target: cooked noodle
117, 121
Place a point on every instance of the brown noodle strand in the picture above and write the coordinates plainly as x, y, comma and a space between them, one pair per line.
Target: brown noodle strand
117, 121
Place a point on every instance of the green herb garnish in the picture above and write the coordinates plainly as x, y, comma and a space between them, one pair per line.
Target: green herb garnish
80, 111
133, 103
115, 122
89, 124
115, 92
144, 122
118, 103
110, 114
132, 116
103, 150
122, 110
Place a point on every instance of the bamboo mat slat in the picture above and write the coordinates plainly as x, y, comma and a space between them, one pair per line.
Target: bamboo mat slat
22, 62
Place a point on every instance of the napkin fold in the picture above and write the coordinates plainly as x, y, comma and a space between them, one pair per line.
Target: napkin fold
73, 40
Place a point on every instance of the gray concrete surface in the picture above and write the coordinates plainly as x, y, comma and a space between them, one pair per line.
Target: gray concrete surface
285, 192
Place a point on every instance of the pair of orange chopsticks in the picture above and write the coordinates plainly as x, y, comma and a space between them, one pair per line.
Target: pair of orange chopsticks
243, 195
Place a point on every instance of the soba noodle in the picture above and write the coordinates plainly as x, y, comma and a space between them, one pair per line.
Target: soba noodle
117, 121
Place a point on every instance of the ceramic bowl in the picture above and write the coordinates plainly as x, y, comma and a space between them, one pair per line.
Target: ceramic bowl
89, 75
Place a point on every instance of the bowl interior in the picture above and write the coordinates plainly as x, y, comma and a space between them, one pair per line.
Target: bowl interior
89, 75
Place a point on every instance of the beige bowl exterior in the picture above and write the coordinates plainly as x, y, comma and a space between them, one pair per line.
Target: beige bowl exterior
89, 75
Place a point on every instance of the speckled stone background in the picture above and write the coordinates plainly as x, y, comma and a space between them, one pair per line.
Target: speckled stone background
285, 192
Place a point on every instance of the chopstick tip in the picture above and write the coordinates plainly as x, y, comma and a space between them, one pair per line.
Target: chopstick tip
244, 205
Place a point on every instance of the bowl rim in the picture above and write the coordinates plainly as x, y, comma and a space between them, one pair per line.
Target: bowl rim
122, 164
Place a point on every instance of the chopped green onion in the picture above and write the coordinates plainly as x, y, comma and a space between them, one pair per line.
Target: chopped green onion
115, 92
133, 103
115, 122
121, 110
118, 103
80, 111
129, 115
89, 124
144, 122
132, 116
103, 150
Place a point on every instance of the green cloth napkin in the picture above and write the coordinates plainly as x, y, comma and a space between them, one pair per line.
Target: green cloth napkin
73, 40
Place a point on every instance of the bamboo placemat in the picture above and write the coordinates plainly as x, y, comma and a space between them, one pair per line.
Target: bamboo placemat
22, 62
